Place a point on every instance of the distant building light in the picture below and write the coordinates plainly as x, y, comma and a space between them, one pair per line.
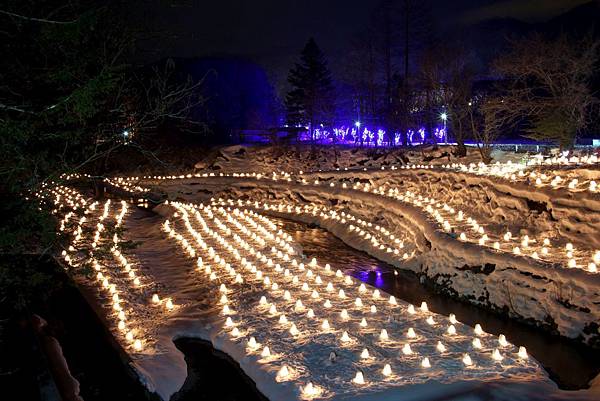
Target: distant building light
357, 124
444, 116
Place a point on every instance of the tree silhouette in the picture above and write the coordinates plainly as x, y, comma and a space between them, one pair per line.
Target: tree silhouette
311, 99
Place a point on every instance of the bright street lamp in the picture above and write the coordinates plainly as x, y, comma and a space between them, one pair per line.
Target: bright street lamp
444, 118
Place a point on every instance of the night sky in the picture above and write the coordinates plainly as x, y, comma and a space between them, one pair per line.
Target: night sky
272, 32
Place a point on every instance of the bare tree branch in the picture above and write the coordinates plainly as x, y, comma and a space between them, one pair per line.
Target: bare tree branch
34, 19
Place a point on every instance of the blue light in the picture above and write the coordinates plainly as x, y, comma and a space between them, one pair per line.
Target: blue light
357, 124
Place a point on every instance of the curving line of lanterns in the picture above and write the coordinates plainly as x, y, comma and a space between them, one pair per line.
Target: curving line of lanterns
380, 238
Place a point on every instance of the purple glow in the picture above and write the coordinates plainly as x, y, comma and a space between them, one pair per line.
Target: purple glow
357, 136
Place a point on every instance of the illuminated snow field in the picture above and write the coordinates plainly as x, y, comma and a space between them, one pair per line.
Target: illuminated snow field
218, 268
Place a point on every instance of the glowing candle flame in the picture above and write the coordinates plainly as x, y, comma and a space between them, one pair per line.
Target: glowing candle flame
383, 335
406, 350
387, 370
359, 378
496, 355
310, 390
502, 340
467, 360
441, 347
283, 373
425, 363
522, 353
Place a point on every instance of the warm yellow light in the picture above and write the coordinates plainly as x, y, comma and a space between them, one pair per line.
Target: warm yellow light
387, 370
358, 378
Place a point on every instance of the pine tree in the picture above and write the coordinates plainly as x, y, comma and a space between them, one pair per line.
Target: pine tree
311, 100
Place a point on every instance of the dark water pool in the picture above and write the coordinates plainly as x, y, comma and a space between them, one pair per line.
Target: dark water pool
213, 375
570, 365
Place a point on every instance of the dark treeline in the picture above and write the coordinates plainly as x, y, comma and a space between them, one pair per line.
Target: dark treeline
497, 78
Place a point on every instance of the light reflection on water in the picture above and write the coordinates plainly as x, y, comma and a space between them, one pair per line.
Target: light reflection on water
570, 365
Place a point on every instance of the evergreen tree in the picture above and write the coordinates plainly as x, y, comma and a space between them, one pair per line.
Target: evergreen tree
311, 100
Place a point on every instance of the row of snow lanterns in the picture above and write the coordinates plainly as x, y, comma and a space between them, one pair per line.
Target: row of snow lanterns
510, 171
516, 172
125, 185
434, 208
380, 238
103, 279
359, 379
506, 170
